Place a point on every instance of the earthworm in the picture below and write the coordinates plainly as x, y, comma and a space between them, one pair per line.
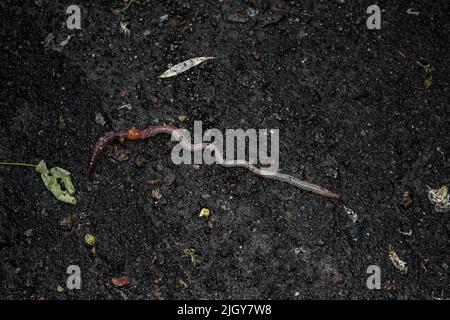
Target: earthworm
136, 134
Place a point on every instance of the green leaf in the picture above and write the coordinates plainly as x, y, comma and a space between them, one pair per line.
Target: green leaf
51, 181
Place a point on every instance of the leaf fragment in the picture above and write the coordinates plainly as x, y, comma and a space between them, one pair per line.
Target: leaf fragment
204, 213
397, 262
440, 198
51, 181
90, 240
183, 66
191, 254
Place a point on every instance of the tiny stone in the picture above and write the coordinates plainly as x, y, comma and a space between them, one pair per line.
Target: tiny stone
152, 99
169, 179
28, 233
318, 137
406, 200
141, 160
99, 119
251, 12
156, 194
153, 181
122, 154
331, 172
67, 222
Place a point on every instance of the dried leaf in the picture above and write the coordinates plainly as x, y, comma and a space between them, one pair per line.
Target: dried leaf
184, 66
428, 70
397, 262
440, 198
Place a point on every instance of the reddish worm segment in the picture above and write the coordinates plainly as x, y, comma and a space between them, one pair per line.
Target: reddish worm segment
136, 134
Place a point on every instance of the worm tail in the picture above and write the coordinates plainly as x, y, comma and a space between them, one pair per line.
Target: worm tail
98, 148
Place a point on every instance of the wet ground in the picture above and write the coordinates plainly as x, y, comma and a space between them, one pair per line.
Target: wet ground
355, 114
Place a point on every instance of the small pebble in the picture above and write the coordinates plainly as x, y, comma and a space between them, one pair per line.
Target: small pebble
67, 222
141, 160
122, 154
406, 200
152, 99
169, 179
156, 194
252, 12
153, 181
99, 119
28, 233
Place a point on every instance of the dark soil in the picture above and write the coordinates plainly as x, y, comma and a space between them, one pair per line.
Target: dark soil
352, 113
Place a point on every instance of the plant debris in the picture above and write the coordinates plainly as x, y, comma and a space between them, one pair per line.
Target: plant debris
52, 181
406, 200
126, 106
124, 29
204, 213
440, 199
183, 66
125, 8
397, 262
191, 253
66, 41
90, 240
352, 214
429, 80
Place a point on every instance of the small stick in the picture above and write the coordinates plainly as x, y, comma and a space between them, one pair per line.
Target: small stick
17, 164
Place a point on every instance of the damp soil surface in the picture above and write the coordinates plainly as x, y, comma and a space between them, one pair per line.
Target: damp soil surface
355, 111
